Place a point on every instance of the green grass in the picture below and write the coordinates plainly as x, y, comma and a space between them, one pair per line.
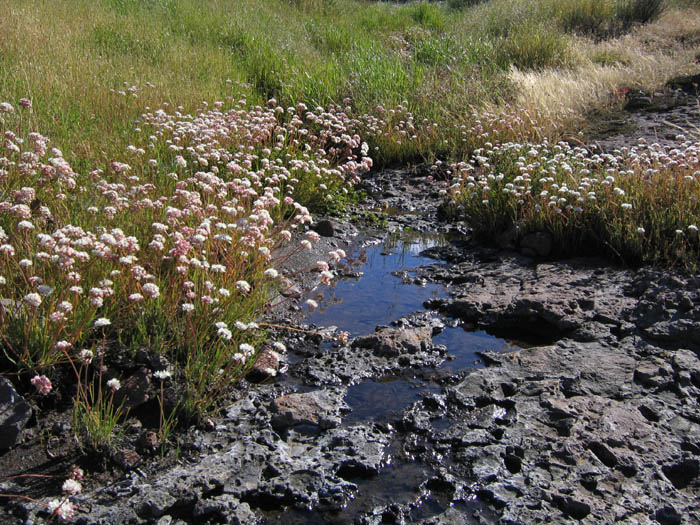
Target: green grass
444, 60
67, 55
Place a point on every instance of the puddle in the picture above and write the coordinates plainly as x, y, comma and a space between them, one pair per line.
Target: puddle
463, 345
375, 297
382, 400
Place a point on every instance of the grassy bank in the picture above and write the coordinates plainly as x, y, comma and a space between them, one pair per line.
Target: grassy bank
637, 206
135, 215
91, 67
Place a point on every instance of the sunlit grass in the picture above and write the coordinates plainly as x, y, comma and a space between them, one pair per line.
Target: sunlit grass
638, 206
67, 55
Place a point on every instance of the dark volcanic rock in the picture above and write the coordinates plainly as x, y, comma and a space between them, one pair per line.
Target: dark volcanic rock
580, 433
14, 414
134, 389
325, 227
546, 301
536, 244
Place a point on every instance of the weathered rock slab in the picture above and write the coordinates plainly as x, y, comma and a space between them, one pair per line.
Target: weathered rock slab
14, 414
392, 342
320, 407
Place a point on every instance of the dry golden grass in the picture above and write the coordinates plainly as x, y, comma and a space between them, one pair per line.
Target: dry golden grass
646, 59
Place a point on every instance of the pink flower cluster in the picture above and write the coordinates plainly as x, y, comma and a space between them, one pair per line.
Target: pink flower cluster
195, 218
42, 384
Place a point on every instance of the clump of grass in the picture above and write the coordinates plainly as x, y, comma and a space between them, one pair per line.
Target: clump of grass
606, 18
610, 57
534, 47
461, 4
428, 15
638, 206
96, 413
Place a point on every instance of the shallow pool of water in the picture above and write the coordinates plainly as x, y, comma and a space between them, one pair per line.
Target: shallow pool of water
382, 400
375, 297
463, 345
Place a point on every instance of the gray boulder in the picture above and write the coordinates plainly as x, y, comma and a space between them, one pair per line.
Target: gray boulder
14, 414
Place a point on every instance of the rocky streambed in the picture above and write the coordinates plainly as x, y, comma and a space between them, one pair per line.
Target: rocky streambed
499, 387
592, 416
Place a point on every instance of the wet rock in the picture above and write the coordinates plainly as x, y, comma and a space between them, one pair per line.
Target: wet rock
321, 407
307, 472
545, 302
458, 435
119, 515
500, 494
392, 342
662, 314
354, 364
667, 515
358, 451
134, 389
302, 489
583, 433
224, 508
576, 508
687, 367
14, 414
683, 473
451, 516
487, 468
424, 319
653, 373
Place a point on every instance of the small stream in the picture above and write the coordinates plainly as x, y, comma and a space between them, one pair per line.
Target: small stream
377, 287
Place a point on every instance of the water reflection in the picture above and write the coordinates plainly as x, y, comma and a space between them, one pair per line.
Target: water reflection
370, 295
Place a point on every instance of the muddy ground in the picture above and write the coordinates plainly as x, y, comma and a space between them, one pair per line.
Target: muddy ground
594, 418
